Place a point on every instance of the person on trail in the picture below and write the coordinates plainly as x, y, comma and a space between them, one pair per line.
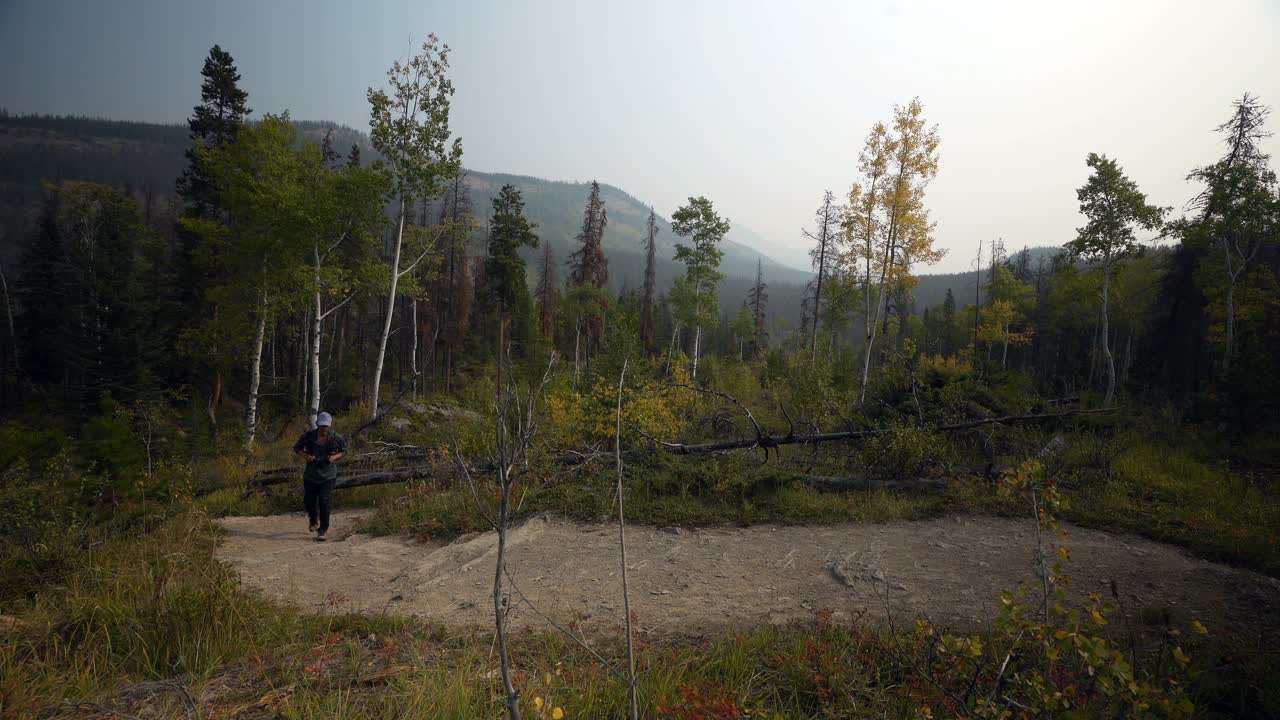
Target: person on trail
322, 447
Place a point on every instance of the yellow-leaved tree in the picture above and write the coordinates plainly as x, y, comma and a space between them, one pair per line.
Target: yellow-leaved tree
888, 224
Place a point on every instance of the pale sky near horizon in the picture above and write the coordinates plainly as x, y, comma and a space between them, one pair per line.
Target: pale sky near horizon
759, 106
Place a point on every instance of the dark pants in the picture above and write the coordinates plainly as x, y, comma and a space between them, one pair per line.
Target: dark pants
316, 498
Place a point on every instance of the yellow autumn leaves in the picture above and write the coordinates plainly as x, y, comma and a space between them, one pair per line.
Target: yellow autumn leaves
557, 713
651, 407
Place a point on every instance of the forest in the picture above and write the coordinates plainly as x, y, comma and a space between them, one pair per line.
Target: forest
1043, 488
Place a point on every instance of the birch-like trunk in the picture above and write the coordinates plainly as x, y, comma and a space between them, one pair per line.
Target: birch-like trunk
880, 299
1106, 336
255, 374
413, 353
577, 340
671, 351
697, 341
391, 311
313, 392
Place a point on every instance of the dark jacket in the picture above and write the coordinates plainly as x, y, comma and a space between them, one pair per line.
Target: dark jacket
320, 471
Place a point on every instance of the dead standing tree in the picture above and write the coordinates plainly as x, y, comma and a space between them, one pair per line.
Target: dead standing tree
515, 426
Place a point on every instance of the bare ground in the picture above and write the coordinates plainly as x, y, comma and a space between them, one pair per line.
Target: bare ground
686, 581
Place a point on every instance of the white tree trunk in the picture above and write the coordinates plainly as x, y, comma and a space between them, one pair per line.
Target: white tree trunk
671, 351
1106, 336
697, 341
313, 390
871, 341
391, 310
413, 355
255, 374
577, 338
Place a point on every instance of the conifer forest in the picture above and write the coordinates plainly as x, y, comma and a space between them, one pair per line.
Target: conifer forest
317, 418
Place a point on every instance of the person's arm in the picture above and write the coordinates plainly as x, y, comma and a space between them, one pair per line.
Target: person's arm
300, 448
339, 449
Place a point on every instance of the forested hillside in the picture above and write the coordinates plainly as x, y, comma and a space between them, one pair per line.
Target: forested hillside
145, 160
588, 461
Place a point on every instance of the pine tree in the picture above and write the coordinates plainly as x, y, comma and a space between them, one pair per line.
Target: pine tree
548, 296
41, 289
589, 272
588, 264
948, 323
758, 301
821, 254
215, 122
504, 269
647, 329
1239, 206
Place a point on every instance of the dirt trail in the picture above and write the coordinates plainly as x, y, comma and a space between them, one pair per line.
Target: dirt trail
687, 581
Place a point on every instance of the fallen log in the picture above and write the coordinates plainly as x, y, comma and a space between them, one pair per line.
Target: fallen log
373, 478
831, 483
768, 441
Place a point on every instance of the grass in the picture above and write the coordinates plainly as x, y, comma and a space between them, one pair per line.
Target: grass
1172, 493
151, 605
152, 618
1168, 487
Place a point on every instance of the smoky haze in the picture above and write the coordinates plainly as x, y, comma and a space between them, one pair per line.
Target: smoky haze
758, 106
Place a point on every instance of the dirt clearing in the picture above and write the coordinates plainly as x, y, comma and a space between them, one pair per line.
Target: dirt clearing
685, 581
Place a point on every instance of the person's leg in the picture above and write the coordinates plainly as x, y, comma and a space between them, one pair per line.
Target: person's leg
322, 505
310, 500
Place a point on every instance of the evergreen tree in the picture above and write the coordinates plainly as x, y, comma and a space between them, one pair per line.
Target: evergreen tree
947, 323
588, 264
214, 122
504, 269
548, 295
758, 301
41, 290
589, 270
647, 328
1239, 209
826, 219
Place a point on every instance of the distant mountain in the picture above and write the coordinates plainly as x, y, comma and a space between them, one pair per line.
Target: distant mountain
147, 158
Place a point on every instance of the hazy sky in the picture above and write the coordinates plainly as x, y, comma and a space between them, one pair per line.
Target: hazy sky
758, 106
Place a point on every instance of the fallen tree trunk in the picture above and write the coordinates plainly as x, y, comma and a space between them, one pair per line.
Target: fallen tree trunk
768, 441
372, 478
830, 483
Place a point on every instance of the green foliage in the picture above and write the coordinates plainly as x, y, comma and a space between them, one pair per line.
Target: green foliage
110, 453
902, 452
509, 231
43, 531
410, 126
1058, 659
1113, 207
694, 296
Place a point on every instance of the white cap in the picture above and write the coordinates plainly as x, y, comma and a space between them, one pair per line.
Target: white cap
324, 418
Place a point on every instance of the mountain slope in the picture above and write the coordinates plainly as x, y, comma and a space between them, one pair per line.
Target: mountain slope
147, 158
